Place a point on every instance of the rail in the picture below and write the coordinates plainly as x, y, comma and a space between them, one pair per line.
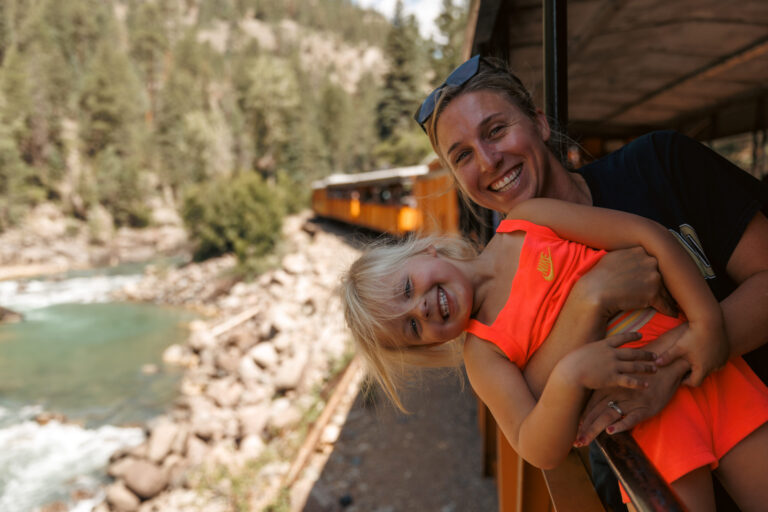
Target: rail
568, 488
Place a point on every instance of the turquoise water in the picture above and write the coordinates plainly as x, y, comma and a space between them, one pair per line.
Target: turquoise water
79, 355
85, 360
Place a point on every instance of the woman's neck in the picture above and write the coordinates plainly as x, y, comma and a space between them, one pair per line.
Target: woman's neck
566, 185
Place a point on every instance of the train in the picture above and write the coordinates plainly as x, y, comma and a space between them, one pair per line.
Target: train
399, 201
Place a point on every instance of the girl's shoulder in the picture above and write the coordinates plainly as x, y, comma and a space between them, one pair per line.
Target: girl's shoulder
476, 349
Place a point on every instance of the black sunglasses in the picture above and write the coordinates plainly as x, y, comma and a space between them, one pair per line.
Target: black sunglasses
458, 77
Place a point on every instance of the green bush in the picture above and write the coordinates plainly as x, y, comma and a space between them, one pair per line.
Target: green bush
242, 214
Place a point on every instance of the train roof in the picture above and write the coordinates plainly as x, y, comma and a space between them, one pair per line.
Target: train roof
698, 66
380, 177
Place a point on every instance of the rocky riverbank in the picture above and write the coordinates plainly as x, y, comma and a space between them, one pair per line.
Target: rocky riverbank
48, 242
257, 375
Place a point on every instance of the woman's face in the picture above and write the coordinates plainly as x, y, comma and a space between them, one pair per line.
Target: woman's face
497, 153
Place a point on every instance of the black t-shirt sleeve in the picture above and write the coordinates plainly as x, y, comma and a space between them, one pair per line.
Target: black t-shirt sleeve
721, 197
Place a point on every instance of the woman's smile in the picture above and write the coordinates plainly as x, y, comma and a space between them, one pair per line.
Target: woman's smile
509, 180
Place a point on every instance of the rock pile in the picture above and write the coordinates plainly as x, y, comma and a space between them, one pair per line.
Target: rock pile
251, 379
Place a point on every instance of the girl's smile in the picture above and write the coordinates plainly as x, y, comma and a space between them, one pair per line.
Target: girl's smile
433, 298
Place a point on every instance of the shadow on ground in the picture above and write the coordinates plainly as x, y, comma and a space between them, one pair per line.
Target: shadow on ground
430, 460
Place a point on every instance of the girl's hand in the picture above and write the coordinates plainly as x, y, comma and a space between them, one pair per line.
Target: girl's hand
705, 349
602, 364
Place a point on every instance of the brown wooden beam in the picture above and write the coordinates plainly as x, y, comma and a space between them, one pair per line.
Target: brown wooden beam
753, 50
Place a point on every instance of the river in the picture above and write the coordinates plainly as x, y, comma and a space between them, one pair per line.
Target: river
96, 362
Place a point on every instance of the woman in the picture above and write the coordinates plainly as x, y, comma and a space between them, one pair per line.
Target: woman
484, 127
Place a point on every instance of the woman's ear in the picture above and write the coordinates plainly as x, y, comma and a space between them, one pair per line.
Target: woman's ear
543, 125
432, 251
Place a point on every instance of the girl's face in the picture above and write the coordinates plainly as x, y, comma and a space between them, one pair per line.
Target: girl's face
497, 153
435, 299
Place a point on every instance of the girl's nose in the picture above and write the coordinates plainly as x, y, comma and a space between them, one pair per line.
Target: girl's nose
423, 308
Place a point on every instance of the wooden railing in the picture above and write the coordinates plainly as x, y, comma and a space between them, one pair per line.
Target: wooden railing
568, 488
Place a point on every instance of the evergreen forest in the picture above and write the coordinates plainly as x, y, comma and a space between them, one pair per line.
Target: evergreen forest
226, 109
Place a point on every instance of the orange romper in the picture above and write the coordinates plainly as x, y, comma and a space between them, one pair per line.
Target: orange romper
697, 427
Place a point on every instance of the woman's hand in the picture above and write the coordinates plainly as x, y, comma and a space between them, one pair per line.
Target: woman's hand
625, 279
603, 364
704, 347
636, 405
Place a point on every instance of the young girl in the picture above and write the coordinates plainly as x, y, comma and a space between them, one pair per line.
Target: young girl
409, 303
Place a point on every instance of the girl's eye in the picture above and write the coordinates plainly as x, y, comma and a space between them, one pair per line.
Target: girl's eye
408, 288
414, 328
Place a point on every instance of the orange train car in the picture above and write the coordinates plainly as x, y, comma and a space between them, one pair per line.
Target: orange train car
416, 199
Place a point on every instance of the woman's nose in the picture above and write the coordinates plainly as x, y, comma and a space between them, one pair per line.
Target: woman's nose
487, 158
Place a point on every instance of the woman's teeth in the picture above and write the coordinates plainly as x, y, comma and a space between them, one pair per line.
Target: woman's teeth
443, 301
507, 181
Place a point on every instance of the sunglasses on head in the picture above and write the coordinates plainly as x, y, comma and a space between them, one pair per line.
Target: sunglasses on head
458, 77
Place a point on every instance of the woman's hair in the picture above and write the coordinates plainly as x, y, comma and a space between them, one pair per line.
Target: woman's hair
369, 306
492, 75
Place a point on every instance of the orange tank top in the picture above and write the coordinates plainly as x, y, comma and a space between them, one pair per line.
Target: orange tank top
548, 268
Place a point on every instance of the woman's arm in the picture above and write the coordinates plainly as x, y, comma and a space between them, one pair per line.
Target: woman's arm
543, 431
746, 325
704, 343
622, 280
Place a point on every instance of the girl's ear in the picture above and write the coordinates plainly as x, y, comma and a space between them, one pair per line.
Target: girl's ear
432, 251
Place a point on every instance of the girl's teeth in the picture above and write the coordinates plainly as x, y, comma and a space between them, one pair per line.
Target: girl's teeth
443, 300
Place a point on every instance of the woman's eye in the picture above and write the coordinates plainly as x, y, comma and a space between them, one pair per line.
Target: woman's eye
414, 328
495, 130
460, 156
408, 288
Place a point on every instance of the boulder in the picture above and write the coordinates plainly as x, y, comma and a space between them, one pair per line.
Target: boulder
253, 419
264, 354
225, 392
161, 440
121, 499
200, 337
197, 450
118, 468
284, 415
145, 479
251, 447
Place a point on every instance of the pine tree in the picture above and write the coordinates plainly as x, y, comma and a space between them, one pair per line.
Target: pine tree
401, 83
446, 54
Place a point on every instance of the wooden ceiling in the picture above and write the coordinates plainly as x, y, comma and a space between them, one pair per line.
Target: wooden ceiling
698, 66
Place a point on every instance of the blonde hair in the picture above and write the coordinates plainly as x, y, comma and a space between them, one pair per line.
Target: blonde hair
368, 308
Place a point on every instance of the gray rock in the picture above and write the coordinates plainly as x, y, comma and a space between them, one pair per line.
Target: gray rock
121, 499
283, 415
289, 374
225, 392
251, 447
248, 370
264, 354
200, 337
197, 450
253, 419
118, 468
145, 479
161, 440
228, 360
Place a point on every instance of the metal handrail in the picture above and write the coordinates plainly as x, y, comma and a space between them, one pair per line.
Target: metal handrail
642, 482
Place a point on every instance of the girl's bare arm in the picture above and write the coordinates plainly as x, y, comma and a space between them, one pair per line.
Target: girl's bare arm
610, 229
543, 431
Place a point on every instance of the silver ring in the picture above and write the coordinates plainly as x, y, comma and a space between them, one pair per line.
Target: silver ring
613, 405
